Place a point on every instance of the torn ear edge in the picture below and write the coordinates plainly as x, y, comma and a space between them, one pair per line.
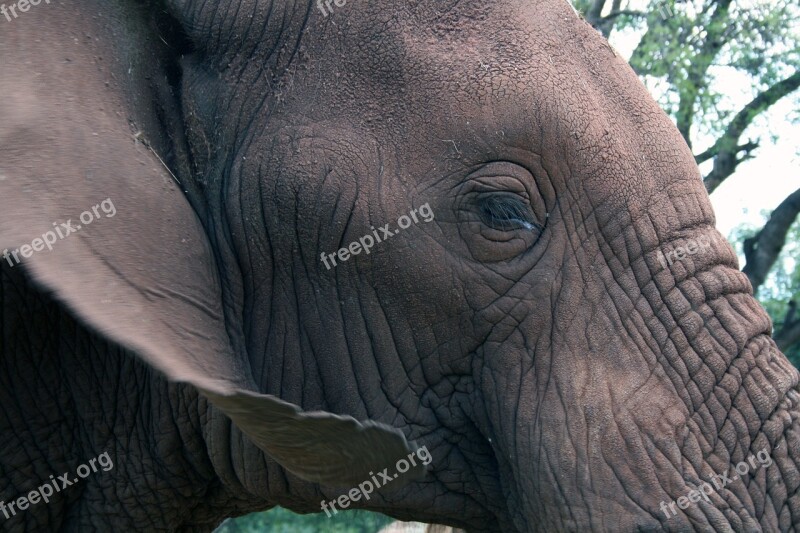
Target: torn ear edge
146, 277
171, 318
320, 447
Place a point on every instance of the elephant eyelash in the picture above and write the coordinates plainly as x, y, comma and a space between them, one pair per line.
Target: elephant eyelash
506, 212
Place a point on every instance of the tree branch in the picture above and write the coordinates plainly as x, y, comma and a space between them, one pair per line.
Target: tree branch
789, 319
762, 250
696, 75
747, 147
607, 23
789, 333
725, 149
593, 13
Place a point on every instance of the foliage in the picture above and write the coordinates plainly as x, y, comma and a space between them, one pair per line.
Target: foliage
281, 520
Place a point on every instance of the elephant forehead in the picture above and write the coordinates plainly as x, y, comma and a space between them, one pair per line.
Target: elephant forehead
545, 81
509, 60
548, 80
456, 70
480, 45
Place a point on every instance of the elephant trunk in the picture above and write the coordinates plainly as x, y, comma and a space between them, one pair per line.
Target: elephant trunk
689, 419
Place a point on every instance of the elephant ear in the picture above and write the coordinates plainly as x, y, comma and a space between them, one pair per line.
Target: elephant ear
138, 267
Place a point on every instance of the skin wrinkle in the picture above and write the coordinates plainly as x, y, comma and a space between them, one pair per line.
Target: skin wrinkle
86, 429
549, 350
261, 38
246, 255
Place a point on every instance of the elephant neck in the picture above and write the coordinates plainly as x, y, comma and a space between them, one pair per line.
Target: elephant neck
110, 435
743, 409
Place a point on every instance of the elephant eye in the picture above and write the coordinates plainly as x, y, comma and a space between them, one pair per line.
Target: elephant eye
507, 212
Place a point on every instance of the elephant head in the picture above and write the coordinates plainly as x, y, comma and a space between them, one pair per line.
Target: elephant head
347, 233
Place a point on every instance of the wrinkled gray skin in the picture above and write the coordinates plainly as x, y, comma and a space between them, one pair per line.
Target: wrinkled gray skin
561, 377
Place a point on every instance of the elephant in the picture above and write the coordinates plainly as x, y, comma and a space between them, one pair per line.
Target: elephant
398, 256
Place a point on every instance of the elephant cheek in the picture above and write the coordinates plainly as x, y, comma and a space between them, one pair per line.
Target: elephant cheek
571, 448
